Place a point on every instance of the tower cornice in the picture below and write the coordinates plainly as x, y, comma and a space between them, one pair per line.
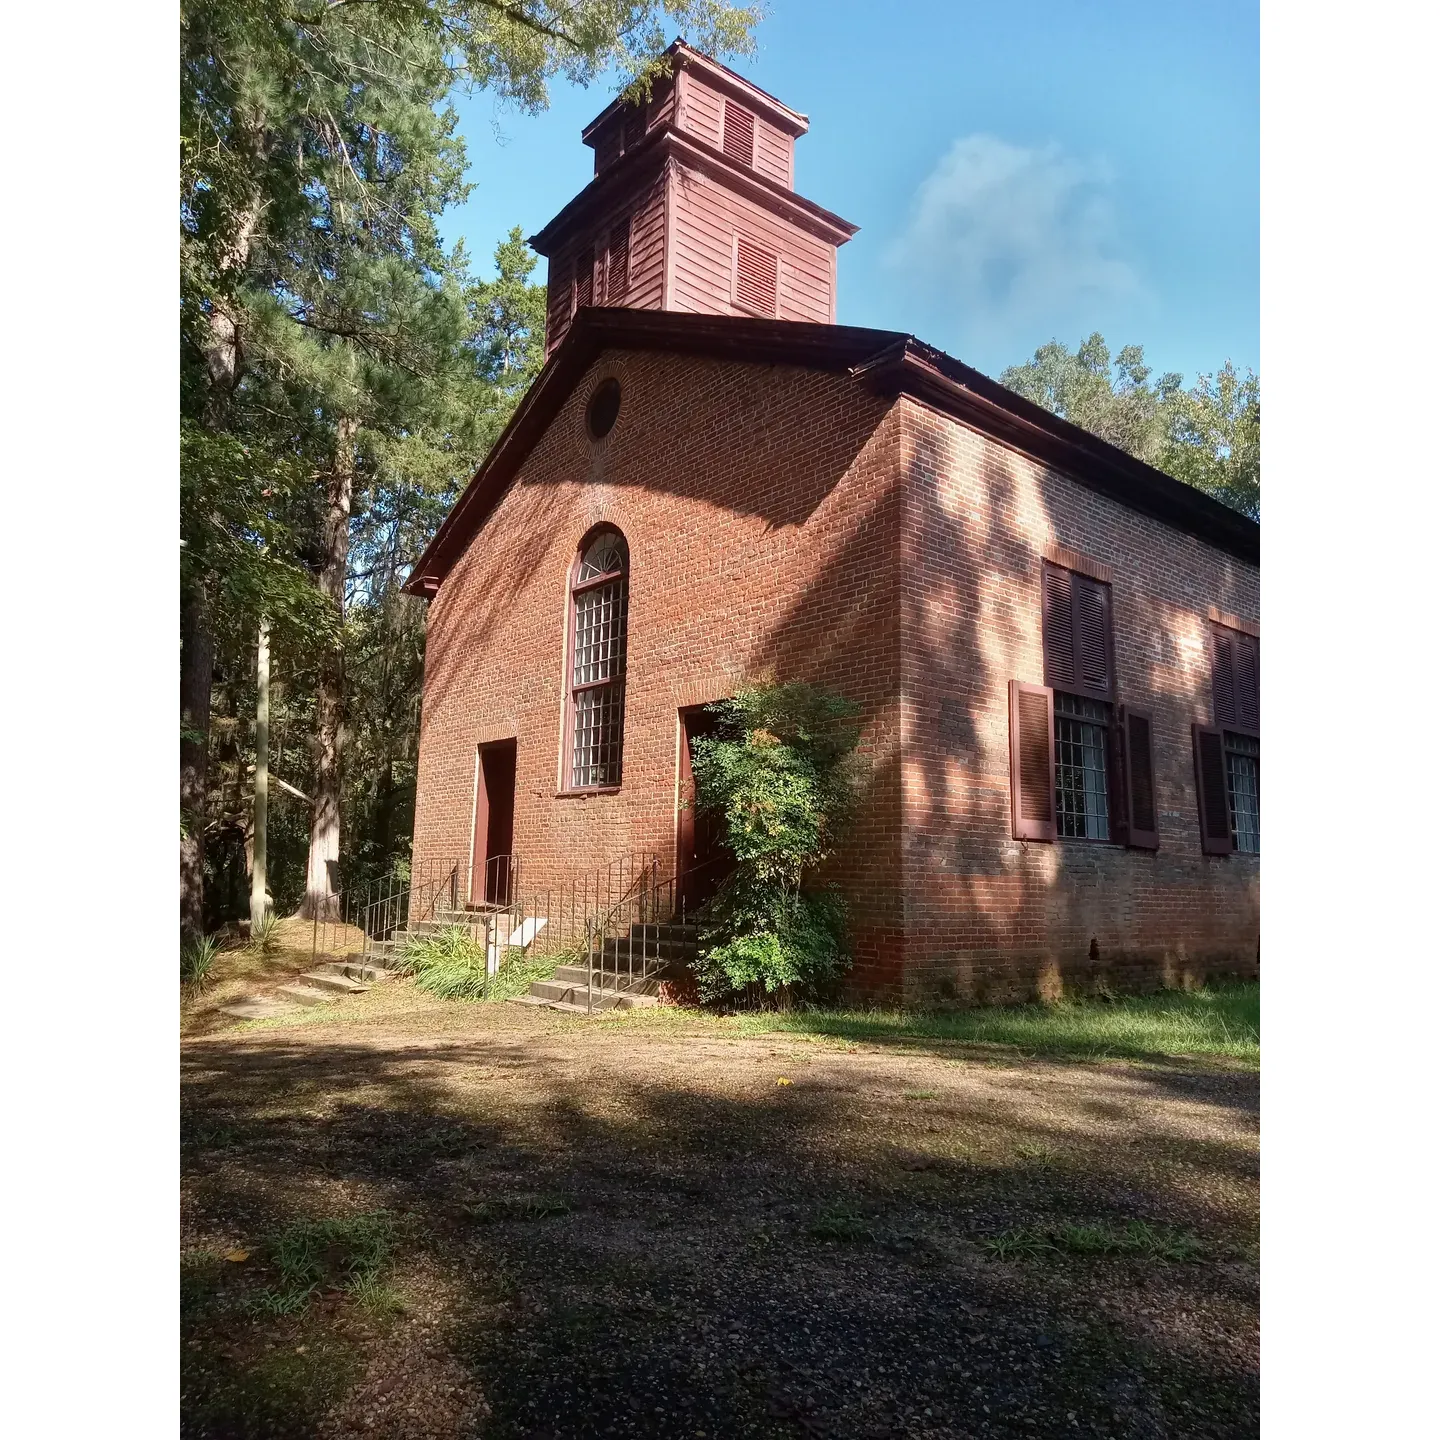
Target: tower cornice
667, 142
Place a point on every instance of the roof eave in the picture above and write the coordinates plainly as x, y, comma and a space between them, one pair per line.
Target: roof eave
888, 361
968, 395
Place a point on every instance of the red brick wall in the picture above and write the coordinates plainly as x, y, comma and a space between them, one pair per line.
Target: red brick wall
762, 510
785, 522
988, 917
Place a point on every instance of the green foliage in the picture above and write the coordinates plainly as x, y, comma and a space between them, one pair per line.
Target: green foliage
1207, 436
350, 1253
841, 1225
324, 328
1137, 1238
265, 938
519, 1207
197, 960
451, 965
781, 772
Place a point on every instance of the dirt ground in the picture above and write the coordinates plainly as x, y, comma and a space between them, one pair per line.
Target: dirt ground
654, 1226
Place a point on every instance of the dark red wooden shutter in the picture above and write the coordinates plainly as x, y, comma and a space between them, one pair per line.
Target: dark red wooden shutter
738, 134
1093, 642
1032, 761
1211, 790
617, 263
1141, 812
1222, 675
585, 279
755, 276
1247, 682
1057, 626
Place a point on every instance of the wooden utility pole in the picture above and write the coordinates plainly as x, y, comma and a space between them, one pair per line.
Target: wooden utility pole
259, 899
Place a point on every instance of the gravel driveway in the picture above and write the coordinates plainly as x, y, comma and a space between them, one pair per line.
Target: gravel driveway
653, 1227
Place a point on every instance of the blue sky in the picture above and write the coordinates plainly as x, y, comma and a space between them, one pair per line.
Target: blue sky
1018, 173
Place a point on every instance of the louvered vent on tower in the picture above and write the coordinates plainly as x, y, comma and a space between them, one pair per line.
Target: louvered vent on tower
738, 136
635, 125
585, 279
617, 263
755, 275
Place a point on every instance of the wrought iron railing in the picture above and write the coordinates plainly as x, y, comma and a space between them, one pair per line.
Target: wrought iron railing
626, 945
553, 919
365, 917
610, 916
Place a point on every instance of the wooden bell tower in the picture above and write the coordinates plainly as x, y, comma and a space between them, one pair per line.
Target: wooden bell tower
693, 208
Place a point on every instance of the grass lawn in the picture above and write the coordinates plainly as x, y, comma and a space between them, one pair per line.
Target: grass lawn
410, 1217
1218, 1021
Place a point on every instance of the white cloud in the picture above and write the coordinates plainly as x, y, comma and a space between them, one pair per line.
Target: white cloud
1009, 239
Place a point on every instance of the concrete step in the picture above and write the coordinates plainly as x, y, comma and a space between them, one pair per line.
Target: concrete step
257, 1007
325, 978
436, 927
559, 990
358, 968
578, 1007
622, 952
667, 930
306, 994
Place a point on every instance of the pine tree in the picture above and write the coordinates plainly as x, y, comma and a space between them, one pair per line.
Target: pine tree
330, 368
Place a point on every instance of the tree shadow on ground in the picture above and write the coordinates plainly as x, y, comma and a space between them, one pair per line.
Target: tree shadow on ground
665, 1249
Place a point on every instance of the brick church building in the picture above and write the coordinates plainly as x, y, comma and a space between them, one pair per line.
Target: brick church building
1055, 647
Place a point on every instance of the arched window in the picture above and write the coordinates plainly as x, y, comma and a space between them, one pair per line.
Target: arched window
600, 598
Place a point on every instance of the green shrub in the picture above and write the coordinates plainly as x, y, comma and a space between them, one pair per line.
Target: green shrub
197, 960
781, 773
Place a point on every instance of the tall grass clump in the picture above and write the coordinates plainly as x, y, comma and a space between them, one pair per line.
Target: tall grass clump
197, 960
265, 937
450, 965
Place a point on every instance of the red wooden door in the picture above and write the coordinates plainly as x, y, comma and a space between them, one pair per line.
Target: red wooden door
492, 865
703, 859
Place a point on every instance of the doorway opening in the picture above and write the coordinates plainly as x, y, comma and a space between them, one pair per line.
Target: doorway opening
492, 868
702, 859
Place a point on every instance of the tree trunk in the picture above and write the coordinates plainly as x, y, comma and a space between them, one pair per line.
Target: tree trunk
259, 898
197, 644
197, 664
321, 877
